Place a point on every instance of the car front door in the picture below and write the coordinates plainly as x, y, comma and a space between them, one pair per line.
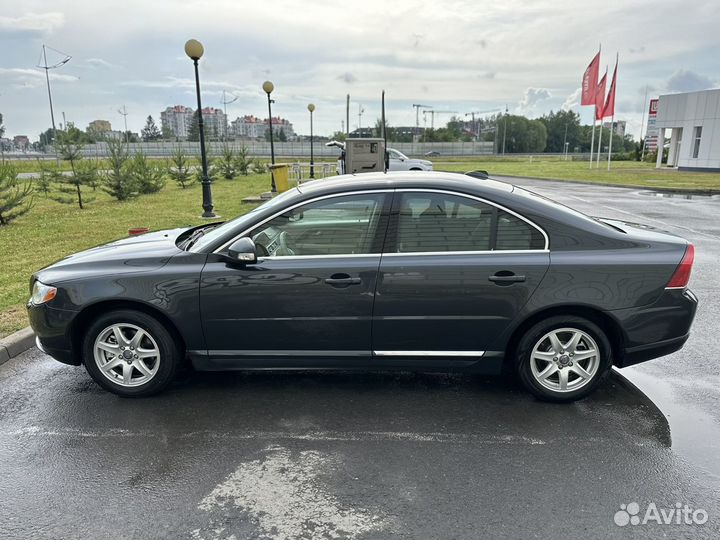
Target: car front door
309, 297
455, 272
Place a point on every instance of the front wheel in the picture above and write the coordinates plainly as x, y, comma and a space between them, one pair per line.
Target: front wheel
130, 353
563, 358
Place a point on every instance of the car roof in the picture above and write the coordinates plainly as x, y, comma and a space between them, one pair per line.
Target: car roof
404, 179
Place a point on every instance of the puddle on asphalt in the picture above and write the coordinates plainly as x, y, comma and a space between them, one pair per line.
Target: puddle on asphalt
695, 434
671, 195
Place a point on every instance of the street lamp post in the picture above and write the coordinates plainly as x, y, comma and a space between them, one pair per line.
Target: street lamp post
311, 108
194, 49
268, 87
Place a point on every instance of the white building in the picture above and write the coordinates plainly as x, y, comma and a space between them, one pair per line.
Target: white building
254, 128
215, 122
177, 119
693, 119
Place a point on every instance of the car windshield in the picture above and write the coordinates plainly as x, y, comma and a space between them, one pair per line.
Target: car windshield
212, 235
397, 154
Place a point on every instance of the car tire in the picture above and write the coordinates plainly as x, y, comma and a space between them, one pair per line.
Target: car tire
555, 359
130, 353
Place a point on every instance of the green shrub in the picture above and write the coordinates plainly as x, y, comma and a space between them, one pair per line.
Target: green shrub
15, 198
179, 169
147, 177
118, 182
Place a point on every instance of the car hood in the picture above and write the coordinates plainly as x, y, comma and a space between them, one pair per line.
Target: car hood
140, 253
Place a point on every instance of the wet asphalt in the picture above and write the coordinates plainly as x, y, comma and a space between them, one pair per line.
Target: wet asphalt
377, 455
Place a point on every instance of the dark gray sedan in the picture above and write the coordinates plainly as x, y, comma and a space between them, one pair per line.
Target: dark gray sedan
422, 271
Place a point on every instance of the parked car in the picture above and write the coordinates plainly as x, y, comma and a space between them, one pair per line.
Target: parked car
423, 271
432, 153
400, 162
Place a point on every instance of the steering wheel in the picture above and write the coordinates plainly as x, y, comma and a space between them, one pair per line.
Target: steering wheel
283, 248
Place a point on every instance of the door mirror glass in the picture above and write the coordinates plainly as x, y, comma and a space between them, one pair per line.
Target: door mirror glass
243, 251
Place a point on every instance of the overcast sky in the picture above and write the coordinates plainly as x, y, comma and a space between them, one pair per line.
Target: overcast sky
452, 55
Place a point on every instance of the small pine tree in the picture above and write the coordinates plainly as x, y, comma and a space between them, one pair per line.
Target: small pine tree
243, 161
179, 169
15, 199
258, 167
118, 182
150, 132
49, 173
147, 176
226, 164
70, 186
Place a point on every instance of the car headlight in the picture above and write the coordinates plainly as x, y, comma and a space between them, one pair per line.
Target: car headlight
42, 293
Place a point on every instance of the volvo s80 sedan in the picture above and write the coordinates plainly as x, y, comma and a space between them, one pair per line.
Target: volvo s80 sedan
411, 271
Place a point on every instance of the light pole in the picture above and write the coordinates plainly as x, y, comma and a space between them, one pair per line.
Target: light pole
195, 50
268, 87
311, 108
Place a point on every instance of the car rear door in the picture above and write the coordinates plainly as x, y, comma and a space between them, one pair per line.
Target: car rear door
309, 298
455, 272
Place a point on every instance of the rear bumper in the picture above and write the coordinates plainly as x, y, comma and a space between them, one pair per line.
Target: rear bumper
658, 329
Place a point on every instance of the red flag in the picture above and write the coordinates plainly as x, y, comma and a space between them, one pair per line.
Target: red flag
600, 97
609, 108
590, 80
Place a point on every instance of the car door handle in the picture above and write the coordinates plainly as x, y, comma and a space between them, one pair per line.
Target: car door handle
342, 280
506, 277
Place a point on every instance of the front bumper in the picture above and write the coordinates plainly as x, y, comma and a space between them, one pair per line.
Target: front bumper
658, 329
51, 326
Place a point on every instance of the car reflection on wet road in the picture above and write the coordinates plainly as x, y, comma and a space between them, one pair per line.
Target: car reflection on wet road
383, 455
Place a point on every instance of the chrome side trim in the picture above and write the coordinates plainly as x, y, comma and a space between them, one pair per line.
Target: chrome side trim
428, 353
491, 203
287, 353
301, 203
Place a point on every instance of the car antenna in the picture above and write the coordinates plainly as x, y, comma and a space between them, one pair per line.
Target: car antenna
387, 154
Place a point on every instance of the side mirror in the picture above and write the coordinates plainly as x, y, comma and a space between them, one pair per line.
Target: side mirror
243, 251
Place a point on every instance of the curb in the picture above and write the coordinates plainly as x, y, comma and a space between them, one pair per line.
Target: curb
701, 192
16, 344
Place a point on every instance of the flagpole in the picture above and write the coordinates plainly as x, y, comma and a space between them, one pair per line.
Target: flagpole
642, 126
599, 148
613, 88
592, 139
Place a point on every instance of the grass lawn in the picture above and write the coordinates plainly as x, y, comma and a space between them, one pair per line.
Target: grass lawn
52, 230
623, 173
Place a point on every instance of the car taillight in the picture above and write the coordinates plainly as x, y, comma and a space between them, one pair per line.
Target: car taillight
680, 278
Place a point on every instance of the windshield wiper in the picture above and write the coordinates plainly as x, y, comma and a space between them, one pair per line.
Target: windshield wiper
196, 235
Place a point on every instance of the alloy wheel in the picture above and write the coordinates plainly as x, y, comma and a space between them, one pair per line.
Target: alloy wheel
565, 360
126, 354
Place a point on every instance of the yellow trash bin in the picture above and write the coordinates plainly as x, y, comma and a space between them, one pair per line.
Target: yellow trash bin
281, 174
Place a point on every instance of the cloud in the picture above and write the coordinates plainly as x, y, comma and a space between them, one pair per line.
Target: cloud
347, 77
532, 97
35, 22
637, 50
25, 77
573, 100
684, 80
99, 62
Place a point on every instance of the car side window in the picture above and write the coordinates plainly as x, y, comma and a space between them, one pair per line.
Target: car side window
514, 233
442, 222
343, 225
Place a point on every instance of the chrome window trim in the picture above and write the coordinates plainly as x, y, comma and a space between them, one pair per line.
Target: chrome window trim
429, 353
546, 249
491, 203
484, 252
301, 203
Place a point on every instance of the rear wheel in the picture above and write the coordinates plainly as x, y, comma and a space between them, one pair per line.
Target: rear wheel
563, 358
130, 353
